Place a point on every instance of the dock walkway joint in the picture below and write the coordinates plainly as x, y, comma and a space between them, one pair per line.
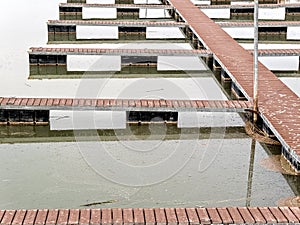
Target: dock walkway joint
124, 104
279, 106
149, 216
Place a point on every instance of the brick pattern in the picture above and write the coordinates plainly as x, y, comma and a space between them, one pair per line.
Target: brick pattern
162, 216
261, 24
119, 6
278, 52
210, 105
119, 23
106, 51
241, 6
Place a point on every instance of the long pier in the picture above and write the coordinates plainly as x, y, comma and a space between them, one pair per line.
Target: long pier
118, 23
267, 30
251, 6
119, 51
37, 110
124, 104
118, 6
124, 11
151, 52
278, 52
260, 24
278, 105
149, 216
288, 12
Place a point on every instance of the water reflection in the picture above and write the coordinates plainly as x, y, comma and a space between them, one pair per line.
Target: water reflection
36, 134
52, 168
250, 173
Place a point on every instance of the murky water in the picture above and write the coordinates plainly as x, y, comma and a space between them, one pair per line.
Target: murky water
136, 167
154, 165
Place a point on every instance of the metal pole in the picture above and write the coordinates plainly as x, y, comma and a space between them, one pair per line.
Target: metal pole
255, 82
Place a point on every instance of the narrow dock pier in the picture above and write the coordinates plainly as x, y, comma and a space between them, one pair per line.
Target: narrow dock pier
278, 52
56, 62
117, 6
250, 5
119, 52
125, 104
129, 30
260, 24
268, 31
81, 11
37, 110
149, 216
119, 23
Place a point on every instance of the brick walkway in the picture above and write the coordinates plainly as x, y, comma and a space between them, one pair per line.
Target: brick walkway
124, 104
157, 216
243, 6
278, 52
118, 51
261, 24
119, 6
118, 23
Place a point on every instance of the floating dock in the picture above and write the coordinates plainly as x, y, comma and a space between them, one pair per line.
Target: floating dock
125, 104
146, 216
260, 24
119, 52
242, 11
81, 11
117, 6
37, 110
118, 23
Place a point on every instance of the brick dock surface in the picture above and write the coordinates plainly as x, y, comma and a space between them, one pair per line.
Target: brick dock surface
118, 51
119, 23
149, 216
124, 104
261, 24
241, 6
119, 6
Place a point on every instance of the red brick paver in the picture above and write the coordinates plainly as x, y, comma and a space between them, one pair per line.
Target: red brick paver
41, 217
8, 217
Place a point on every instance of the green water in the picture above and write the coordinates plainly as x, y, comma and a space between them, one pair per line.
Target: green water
135, 167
